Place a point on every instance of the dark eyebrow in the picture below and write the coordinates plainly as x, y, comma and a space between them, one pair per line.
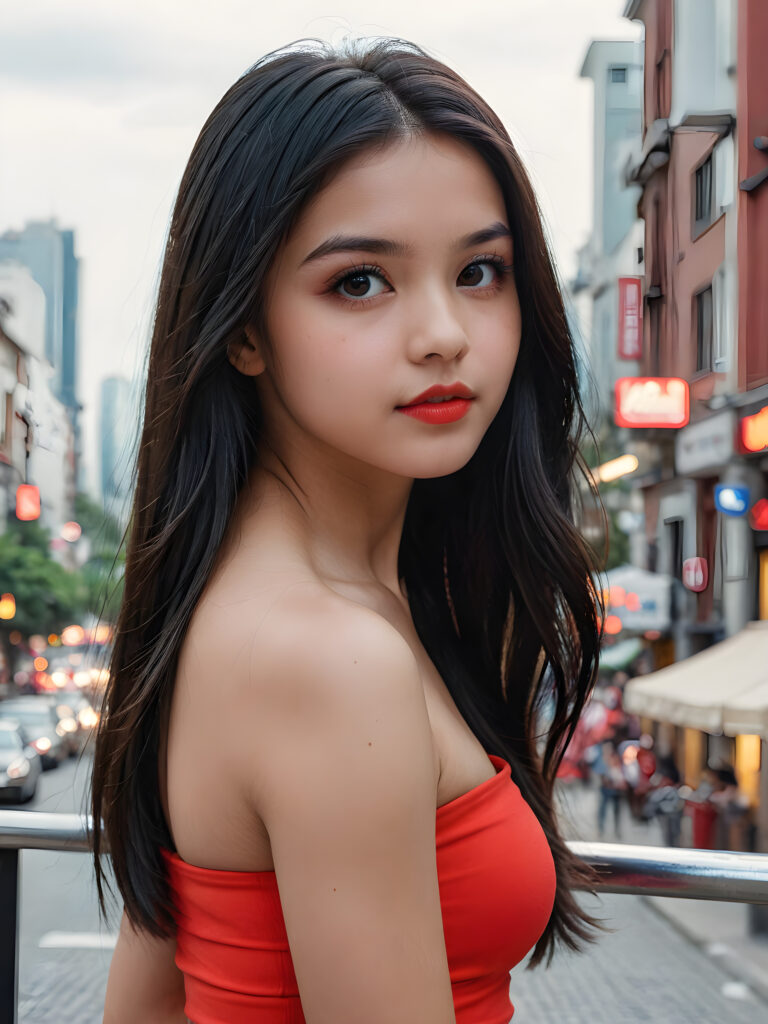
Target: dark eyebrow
386, 247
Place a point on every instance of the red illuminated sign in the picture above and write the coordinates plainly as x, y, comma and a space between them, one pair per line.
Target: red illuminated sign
651, 402
754, 431
27, 502
695, 574
758, 515
630, 318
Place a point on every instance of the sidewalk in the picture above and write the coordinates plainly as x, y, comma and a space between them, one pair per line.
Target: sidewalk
720, 929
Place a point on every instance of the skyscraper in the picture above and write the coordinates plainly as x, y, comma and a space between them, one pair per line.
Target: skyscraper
117, 434
49, 253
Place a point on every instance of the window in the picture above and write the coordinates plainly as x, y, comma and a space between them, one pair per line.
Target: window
676, 548
702, 215
722, 319
703, 316
675, 567
618, 74
654, 300
6, 418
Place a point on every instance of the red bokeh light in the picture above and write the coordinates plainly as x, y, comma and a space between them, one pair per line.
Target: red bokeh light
758, 515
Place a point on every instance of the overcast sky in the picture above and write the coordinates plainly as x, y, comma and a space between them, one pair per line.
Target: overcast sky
101, 104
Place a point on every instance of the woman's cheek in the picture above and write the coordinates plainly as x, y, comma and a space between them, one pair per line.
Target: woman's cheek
328, 394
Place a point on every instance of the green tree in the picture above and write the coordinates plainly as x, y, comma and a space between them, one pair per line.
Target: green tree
48, 597
103, 571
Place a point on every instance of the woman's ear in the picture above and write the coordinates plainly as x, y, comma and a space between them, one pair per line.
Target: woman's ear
245, 354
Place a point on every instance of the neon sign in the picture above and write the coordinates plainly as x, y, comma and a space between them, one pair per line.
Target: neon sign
754, 431
758, 515
630, 318
651, 402
27, 502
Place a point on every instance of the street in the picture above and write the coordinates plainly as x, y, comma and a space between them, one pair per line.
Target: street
62, 968
645, 971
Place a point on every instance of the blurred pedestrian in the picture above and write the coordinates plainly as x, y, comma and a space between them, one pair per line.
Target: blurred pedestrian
639, 765
646, 758
734, 809
703, 810
613, 787
667, 772
666, 804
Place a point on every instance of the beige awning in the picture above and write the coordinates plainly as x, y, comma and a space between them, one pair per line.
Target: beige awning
722, 689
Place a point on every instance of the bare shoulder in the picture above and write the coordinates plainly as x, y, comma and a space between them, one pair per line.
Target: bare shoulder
343, 778
314, 640
323, 670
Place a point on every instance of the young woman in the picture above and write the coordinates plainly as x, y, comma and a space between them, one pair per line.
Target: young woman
352, 577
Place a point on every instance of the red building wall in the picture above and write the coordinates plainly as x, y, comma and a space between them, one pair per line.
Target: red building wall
693, 260
656, 16
677, 263
752, 116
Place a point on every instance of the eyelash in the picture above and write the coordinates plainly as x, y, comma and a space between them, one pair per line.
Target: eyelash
504, 271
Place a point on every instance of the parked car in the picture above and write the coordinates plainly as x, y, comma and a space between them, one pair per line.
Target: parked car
41, 724
76, 717
20, 766
69, 728
87, 716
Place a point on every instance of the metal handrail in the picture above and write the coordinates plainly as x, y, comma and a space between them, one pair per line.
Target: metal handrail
732, 877
624, 868
638, 870
43, 830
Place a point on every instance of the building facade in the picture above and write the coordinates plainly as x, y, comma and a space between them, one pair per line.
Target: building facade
686, 170
117, 435
702, 167
36, 436
614, 248
49, 253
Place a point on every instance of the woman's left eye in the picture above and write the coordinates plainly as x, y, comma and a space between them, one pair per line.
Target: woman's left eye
473, 274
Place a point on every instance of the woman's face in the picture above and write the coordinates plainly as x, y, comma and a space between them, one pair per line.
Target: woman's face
379, 293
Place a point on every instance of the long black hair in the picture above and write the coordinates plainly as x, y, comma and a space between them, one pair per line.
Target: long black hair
498, 578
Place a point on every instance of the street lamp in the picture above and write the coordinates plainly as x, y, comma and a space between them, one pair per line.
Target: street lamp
614, 469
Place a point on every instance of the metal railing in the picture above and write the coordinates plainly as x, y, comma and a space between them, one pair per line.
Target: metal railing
635, 870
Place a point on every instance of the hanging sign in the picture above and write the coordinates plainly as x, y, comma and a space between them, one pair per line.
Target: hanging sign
705, 445
630, 318
651, 402
695, 574
731, 500
754, 431
27, 502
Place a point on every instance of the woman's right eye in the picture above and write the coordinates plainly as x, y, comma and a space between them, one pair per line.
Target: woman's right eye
357, 284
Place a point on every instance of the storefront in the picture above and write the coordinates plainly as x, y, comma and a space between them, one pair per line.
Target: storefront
718, 698
703, 451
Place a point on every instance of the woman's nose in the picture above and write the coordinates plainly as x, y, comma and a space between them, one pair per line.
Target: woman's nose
436, 329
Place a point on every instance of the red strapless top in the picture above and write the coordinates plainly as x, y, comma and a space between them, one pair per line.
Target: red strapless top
497, 888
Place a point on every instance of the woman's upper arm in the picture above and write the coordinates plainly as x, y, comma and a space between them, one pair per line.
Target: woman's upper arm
344, 780
144, 982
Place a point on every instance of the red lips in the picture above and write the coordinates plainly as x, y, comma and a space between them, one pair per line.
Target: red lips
458, 390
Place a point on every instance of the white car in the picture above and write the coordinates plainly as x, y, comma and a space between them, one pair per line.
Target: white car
20, 765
